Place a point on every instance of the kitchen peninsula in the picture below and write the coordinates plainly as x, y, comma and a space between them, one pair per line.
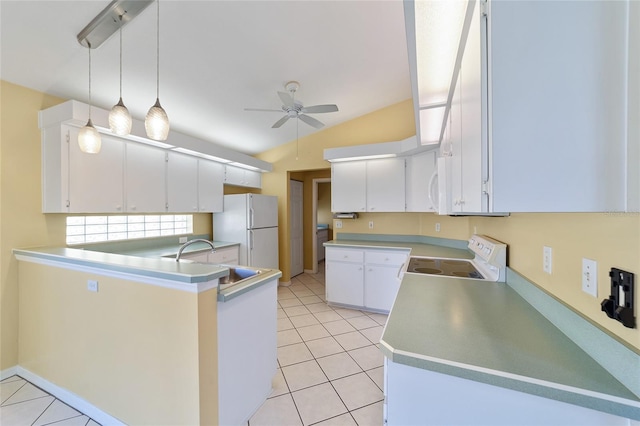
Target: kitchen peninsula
94, 324
501, 350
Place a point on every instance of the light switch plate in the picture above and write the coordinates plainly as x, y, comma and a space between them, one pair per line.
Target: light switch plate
590, 277
547, 259
92, 285
338, 224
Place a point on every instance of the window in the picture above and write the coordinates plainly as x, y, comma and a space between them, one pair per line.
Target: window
93, 229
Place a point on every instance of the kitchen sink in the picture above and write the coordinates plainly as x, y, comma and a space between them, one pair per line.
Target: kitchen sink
236, 276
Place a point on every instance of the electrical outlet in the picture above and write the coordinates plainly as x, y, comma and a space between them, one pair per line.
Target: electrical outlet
590, 277
438, 227
182, 240
547, 259
338, 224
92, 285
370, 224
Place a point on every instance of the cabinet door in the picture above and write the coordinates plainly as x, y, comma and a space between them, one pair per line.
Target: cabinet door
252, 179
242, 177
96, 181
344, 283
381, 284
386, 185
349, 186
182, 183
227, 255
559, 105
420, 169
198, 256
145, 171
210, 186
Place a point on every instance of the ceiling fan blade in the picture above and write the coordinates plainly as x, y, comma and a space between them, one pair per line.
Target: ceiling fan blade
263, 109
310, 121
320, 108
280, 122
286, 99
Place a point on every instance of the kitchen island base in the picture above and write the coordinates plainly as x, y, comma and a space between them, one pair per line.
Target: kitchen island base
247, 352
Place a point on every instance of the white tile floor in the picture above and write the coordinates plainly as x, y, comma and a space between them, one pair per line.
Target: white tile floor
22, 403
330, 365
330, 369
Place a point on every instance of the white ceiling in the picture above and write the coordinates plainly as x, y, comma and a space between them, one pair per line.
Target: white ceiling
217, 58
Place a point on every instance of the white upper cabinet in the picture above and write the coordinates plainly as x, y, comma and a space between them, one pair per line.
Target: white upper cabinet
210, 186
540, 115
242, 177
145, 171
558, 105
368, 186
182, 183
421, 190
95, 181
386, 185
349, 186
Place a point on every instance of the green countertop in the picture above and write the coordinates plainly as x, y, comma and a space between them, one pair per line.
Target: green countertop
154, 262
486, 332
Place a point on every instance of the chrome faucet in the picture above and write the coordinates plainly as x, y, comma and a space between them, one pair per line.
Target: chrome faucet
188, 243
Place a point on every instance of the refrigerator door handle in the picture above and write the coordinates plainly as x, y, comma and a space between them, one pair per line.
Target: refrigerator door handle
250, 217
250, 240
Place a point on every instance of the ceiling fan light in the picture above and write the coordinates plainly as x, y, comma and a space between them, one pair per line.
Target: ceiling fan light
120, 120
157, 123
89, 139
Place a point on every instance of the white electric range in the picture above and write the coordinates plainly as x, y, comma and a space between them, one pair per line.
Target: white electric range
489, 263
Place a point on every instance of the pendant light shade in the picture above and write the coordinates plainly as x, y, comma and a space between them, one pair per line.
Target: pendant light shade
88, 138
157, 122
119, 118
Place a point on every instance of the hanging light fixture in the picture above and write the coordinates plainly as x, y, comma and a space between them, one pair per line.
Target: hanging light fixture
157, 122
88, 137
119, 118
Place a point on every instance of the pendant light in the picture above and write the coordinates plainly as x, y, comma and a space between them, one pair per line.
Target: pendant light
88, 137
157, 122
119, 118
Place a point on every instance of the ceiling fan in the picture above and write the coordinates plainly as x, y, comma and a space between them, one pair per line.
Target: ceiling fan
295, 109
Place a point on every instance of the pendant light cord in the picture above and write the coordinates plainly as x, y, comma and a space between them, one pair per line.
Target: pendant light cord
89, 46
158, 52
120, 56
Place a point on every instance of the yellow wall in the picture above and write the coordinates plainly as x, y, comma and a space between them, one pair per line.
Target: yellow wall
132, 337
324, 206
21, 222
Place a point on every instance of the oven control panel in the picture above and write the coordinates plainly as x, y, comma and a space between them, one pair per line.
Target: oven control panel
492, 251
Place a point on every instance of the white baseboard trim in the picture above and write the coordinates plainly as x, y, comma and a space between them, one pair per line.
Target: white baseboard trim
310, 271
11, 371
284, 283
68, 398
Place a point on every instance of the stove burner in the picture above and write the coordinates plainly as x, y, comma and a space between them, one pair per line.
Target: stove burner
432, 271
443, 267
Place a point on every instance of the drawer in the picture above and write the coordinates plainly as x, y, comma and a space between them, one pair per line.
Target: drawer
344, 255
395, 258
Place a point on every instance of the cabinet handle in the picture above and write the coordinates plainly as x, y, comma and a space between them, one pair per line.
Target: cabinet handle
133, 208
400, 270
118, 208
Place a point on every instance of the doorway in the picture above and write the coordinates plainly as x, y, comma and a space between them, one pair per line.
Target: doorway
321, 214
296, 213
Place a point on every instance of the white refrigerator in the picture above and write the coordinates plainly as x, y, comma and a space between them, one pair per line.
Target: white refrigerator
252, 221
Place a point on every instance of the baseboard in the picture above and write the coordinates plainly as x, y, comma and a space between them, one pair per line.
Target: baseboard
68, 398
11, 371
284, 283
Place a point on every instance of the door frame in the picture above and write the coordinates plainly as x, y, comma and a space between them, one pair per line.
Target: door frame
291, 225
314, 221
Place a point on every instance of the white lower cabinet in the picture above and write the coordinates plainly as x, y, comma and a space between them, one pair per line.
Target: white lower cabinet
227, 255
367, 279
345, 276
